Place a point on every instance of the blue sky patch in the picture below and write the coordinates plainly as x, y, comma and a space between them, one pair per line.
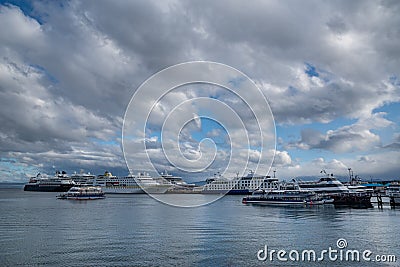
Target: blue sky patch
26, 7
311, 71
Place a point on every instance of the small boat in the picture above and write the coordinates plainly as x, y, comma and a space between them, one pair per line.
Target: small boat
284, 197
83, 193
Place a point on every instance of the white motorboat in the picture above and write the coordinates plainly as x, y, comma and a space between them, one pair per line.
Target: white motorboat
284, 197
83, 193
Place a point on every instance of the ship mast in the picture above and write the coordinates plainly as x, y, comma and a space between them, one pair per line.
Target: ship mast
351, 176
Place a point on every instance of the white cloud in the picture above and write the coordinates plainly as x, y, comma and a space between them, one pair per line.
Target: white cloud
78, 68
282, 159
349, 138
24, 29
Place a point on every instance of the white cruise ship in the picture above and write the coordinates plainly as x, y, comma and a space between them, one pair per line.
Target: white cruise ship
177, 184
83, 179
240, 185
138, 184
165, 177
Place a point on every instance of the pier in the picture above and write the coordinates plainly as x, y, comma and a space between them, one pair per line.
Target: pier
393, 202
385, 200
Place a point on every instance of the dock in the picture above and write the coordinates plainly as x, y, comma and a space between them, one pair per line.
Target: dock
384, 199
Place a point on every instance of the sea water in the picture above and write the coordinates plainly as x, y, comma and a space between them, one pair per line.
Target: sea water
36, 229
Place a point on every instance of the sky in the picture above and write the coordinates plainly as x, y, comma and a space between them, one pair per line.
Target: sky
329, 71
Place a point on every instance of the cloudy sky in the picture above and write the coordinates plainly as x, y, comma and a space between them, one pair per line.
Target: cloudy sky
329, 69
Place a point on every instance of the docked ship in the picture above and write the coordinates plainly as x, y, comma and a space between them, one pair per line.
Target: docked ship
58, 183
130, 184
176, 183
325, 185
284, 197
83, 179
165, 177
339, 194
83, 193
240, 185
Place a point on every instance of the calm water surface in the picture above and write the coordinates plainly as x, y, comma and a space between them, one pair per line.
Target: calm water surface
135, 230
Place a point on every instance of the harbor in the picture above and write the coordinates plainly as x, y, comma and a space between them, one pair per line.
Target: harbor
199, 133
258, 189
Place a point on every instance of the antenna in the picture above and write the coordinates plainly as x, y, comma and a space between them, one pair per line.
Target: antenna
349, 169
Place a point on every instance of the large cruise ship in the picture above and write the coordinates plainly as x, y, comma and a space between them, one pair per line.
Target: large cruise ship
240, 185
60, 182
83, 179
178, 185
138, 184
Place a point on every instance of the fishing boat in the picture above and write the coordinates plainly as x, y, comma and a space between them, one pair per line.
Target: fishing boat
83, 193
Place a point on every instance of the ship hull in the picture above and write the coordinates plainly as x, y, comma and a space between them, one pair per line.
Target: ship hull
273, 202
228, 192
136, 190
122, 190
47, 188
